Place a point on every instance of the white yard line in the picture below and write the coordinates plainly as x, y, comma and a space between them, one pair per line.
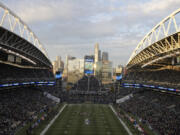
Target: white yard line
122, 122
52, 121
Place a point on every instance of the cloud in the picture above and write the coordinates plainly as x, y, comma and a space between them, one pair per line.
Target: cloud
153, 8
160, 6
73, 26
43, 10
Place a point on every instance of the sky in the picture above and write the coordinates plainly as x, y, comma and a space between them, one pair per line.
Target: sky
72, 27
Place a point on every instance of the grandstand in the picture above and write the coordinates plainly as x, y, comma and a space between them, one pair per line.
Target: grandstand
160, 111
90, 89
29, 97
31, 103
25, 75
150, 87
82, 84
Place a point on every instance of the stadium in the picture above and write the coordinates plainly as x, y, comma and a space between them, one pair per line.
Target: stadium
144, 100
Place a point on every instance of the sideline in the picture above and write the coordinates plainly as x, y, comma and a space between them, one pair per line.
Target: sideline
52, 121
124, 125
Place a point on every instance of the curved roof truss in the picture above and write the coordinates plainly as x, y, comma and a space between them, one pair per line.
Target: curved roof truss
165, 28
12, 22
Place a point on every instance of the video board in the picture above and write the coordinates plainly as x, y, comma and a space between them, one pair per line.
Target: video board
89, 65
58, 75
119, 77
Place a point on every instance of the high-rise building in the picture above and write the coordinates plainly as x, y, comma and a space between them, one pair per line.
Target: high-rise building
68, 57
99, 57
105, 56
74, 69
76, 65
106, 73
117, 71
98, 69
55, 66
96, 53
58, 64
97, 61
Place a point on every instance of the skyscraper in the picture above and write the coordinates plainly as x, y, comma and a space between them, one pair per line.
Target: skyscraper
96, 52
74, 69
106, 76
99, 57
58, 64
105, 56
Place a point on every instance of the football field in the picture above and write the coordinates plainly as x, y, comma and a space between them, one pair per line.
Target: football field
87, 119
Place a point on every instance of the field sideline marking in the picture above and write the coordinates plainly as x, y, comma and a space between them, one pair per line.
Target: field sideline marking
122, 122
52, 121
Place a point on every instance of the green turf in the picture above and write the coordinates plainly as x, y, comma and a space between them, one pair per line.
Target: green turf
72, 122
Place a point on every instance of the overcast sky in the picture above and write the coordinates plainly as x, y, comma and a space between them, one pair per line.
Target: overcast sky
74, 26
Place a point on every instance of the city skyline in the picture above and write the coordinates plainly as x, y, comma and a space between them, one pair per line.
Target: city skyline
117, 26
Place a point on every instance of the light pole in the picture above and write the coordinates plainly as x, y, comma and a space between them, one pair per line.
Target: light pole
88, 82
77, 85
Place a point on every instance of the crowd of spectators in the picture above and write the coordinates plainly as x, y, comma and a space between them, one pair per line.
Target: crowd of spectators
19, 106
124, 91
46, 114
53, 90
89, 88
10, 73
88, 83
158, 110
166, 77
101, 98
